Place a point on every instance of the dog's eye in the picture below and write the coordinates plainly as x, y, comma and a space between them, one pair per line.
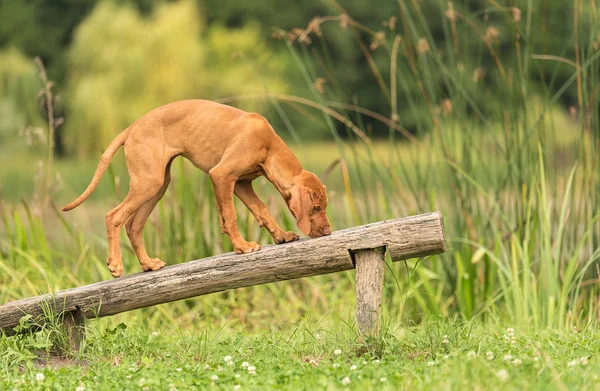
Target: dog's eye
317, 207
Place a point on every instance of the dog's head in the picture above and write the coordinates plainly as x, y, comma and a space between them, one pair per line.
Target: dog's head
307, 203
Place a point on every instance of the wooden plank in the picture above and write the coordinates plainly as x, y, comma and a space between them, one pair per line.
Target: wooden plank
404, 238
370, 268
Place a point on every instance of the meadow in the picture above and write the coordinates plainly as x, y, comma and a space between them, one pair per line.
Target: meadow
513, 304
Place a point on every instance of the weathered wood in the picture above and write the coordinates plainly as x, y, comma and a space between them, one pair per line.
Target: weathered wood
370, 268
404, 238
74, 325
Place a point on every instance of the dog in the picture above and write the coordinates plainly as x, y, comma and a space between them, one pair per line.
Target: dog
234, 147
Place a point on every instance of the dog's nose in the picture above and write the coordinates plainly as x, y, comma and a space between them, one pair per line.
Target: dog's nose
327, 231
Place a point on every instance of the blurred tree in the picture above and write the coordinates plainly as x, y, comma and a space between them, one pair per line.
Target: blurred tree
44, 28
19, 86
340, 59
123, 65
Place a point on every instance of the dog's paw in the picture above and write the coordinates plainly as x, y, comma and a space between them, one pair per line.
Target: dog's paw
247, 247
115, 267
151, 264
285, 237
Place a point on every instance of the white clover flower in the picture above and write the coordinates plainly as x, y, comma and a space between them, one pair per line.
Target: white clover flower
346, 381
145, 388
80, 387
132, 369
572, 363
214, 378
337, 352
471, 355
155, 333
510, 332
383, 379
227, 359
237, 387
489, 356
353, 367
142, 382
502, 375
583, 360
252, 370
376, 361
172, 387
507, 357
245, 364
446, 356
445, 340
178, 369
206, 367
336, 365
431, 363
219, 368
517, 361
40, 377
237, 375
128, 377
318, 336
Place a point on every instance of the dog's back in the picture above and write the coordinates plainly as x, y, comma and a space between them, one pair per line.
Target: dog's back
198, 129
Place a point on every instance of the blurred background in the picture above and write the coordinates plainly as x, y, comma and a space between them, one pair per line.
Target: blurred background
484, 109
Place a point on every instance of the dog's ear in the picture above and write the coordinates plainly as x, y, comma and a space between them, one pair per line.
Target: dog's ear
301, 206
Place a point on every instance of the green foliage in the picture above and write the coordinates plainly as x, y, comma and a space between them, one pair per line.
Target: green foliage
42, 28
125, 65
19, 85
440, 355
120, 73
523, 229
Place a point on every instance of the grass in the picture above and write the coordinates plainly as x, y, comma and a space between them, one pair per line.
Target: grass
439, 355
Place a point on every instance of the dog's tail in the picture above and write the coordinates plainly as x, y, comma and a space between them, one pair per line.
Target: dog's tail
102, 166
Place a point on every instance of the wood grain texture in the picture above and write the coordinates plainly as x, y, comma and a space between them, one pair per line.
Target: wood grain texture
370, 268
74, 325
404, 238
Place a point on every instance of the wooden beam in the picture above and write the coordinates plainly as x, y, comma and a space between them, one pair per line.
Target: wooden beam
403, 238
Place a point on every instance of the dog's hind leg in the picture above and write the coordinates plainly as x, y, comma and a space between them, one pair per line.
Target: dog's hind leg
135, 226
146, 178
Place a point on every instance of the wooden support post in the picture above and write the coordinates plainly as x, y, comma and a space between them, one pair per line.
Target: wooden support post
370, 267
74, 327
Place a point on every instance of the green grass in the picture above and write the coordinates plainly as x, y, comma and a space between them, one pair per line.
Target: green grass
311, 357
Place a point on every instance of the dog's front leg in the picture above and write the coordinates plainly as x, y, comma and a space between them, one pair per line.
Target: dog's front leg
223, 185
260, 211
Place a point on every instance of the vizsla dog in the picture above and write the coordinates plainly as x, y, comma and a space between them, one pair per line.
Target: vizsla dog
234, 147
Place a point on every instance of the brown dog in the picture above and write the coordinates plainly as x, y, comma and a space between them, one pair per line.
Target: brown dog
233, 147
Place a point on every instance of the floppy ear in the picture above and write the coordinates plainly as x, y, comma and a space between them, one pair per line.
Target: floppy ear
301, 206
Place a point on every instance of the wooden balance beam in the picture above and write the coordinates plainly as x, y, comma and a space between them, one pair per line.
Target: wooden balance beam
360, 247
